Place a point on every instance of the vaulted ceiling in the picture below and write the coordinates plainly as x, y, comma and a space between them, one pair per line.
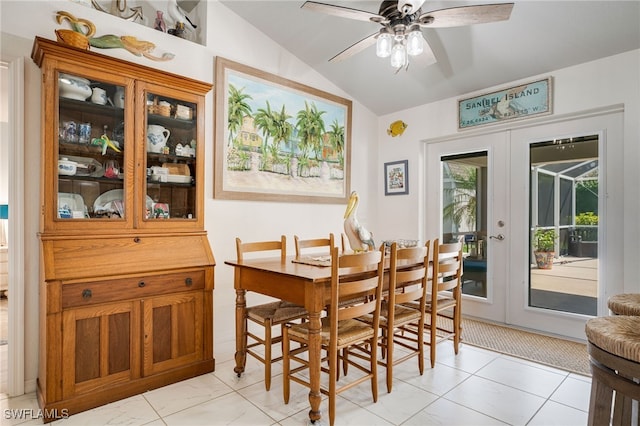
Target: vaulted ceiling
539, 37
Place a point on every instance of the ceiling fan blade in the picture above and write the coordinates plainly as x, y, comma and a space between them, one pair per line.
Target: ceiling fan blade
342, 12
355, 48
466, 15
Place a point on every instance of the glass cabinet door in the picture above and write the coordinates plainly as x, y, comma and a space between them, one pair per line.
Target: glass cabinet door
91, 162
171, 135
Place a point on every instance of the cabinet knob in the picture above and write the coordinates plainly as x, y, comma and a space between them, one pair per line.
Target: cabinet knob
188, 282
141, 284
86, 293
136, 240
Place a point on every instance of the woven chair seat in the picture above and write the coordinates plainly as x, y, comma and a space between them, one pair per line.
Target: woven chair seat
614, 354
402, 314
618, 335
625, 304
443, 303
278, 312
349, 331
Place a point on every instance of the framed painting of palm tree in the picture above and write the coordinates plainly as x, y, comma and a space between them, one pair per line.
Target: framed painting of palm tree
279, 140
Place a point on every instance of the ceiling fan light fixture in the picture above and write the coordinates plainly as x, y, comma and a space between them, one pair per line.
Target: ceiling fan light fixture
415, 41
383, 44
398, 55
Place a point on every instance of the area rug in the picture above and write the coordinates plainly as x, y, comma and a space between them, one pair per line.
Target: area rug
555, 352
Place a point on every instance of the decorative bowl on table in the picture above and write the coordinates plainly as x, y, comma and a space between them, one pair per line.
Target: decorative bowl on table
402, 243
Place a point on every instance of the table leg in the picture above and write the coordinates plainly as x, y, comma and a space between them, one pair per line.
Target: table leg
315, 354
241, 328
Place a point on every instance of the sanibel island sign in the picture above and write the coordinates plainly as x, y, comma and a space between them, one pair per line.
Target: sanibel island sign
518, 102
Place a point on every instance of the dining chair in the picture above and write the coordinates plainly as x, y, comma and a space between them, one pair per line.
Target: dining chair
305, 246
444, 308
269, 314
341, 328
408, 283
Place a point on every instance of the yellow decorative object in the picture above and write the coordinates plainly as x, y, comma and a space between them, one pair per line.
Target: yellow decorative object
105, 143
396, 128
72, 38
82, 31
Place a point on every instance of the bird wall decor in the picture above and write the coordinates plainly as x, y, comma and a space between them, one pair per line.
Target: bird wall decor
360, 239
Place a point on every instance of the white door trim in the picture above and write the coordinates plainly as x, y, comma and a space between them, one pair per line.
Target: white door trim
534, 122
15, 379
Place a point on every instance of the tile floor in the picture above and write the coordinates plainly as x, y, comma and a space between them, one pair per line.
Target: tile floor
476, 387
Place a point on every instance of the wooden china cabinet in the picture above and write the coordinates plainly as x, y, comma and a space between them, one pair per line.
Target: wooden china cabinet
126, 288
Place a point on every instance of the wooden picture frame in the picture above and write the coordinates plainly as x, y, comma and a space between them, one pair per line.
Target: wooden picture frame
278, 140
396, 177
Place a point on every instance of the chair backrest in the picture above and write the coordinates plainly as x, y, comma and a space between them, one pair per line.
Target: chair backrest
262, 246
363, 283
408, 275
447, 266
315, 243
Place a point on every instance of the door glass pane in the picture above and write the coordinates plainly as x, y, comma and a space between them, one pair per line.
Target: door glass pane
90, 149
171, 135
564, 218
464, 215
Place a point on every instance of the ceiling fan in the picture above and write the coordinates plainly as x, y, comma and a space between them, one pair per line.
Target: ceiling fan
402, 21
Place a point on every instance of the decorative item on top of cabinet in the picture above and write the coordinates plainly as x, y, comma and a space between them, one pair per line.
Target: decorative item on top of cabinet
110, 332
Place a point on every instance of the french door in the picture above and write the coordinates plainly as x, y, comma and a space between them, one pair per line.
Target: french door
495, 189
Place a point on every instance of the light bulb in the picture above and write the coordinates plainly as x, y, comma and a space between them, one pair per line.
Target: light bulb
414, 42
383, 44
398, 55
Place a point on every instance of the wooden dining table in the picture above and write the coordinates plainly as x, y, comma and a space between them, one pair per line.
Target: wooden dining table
304, 284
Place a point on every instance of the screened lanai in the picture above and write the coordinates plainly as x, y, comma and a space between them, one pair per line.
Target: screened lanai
564, 195
564, 198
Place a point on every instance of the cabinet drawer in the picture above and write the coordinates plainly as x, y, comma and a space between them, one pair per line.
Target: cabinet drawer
92, 292
70, 258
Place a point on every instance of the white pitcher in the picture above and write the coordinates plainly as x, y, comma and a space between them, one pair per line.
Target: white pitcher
157, 137
99, 96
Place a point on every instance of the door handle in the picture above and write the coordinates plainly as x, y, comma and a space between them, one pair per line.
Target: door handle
498, 237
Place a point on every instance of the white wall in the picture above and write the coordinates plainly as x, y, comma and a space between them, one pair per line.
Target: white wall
228, 36
605, 82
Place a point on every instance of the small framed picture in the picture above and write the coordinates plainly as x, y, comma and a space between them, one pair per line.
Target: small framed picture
396, 180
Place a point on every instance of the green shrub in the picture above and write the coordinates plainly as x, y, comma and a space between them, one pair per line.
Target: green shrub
544, 239
587, 218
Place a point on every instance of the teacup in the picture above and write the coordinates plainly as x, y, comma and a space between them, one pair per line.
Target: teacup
157, 137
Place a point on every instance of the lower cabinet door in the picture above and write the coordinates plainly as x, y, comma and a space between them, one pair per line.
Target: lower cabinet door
101, 346
172, 328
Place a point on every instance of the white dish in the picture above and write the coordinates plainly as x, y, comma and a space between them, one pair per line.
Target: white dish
178, 179
87, 166
70, 206
73, 87
114, 195
67, 167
